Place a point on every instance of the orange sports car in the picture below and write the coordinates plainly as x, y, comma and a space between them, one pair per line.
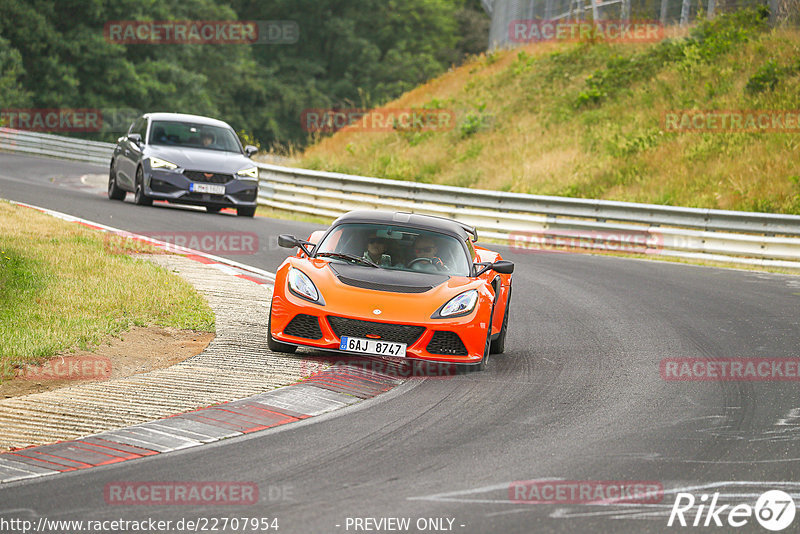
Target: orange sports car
392, 284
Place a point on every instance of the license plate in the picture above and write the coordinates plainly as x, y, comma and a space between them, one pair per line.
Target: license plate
207, 188
372, 346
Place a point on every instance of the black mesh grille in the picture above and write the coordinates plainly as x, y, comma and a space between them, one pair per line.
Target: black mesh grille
160, 186
399, 333
248, 195
214, 178
306, 326
447, 343
382, 287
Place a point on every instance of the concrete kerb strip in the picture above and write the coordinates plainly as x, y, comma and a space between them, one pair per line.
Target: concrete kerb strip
240, 382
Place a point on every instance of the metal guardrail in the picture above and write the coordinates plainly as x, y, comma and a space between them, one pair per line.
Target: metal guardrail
529, 222
536, 222
56, 146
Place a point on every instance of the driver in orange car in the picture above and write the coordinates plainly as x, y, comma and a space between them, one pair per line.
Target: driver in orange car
426, 247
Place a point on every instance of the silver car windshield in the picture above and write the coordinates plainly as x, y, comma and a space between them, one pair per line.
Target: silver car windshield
395, 247
192, 135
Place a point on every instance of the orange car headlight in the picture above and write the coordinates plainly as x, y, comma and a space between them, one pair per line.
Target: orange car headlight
302, 286
459, 305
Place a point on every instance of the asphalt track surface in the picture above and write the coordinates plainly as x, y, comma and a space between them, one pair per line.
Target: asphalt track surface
577, 396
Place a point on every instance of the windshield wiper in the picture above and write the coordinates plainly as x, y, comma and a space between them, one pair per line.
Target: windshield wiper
343, 256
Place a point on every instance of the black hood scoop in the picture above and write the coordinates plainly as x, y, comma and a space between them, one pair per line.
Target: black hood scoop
386, 279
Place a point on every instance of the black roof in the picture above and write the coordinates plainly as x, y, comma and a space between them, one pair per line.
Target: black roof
414, 220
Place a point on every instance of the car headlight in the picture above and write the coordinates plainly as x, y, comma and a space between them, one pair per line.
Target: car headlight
156, 163
251, 173
460, 304
301, 285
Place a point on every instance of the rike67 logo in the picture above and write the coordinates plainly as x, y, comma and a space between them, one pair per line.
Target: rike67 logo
774, 510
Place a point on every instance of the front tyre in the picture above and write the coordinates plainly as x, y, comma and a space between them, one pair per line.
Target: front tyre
487, 349
499, 344
114, 191
139, 198
277, 346
475, 367
246, 211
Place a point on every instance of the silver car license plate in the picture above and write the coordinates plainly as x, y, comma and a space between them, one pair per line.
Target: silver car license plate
212, 189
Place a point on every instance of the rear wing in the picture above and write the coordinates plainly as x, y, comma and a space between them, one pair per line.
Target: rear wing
467, 228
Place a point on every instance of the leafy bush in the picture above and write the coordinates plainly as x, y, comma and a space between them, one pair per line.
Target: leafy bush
768, 75
710, 39
473, 122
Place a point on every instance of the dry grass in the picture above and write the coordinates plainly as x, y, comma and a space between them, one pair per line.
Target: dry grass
531, 137
62, 287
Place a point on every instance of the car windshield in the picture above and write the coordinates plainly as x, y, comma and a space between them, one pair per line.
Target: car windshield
395, 247
193, 135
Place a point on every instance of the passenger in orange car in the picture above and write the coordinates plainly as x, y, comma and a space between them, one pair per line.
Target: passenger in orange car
376, 247
426, 253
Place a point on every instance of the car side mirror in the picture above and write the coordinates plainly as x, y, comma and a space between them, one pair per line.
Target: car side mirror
249, 150
290, 241
500, 267
503, 267
136, 138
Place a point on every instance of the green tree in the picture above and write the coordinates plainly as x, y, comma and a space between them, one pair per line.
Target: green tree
350, 54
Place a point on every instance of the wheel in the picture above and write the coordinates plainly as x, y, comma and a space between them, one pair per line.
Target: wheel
114, 192
277, 346
246, 212
475, 367
139, 198
213, 209
499, 344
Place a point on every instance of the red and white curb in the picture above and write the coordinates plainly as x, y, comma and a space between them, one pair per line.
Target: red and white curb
333, 388
329, 390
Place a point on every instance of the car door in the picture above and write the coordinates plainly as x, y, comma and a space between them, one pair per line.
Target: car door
131, 155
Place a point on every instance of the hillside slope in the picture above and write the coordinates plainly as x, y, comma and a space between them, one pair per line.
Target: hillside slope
588, 120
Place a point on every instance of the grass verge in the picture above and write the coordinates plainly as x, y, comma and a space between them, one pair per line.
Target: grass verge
587, 120
62, 288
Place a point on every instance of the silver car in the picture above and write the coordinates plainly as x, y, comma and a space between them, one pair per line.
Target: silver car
185, 159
